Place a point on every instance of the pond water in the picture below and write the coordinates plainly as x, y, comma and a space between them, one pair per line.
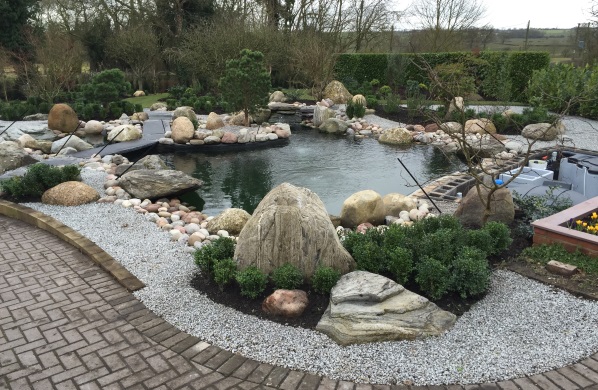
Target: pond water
332, 167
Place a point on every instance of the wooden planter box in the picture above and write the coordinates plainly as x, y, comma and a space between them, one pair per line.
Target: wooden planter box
554, 230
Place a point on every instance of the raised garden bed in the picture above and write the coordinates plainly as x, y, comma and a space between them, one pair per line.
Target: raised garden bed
555, 229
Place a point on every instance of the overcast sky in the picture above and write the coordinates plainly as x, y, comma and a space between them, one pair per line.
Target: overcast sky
505, 14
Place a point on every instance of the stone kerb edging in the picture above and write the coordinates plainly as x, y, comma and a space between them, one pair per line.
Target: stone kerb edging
65, 233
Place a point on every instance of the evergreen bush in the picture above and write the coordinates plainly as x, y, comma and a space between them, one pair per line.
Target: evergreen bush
433, 277
208, 255
252, 282
470, 274
324, 279
37, 180
225, 271
287, 277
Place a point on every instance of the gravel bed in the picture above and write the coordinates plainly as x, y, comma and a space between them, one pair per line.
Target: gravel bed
521, 326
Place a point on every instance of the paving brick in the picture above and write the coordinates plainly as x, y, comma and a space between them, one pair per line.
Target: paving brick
507, 385
327, 384
560, 380
575, 377
344, 385
525, 384
543, 382
245, 369
233, 363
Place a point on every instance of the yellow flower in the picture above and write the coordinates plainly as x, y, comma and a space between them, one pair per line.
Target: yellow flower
579, 222
594, 215
585, 224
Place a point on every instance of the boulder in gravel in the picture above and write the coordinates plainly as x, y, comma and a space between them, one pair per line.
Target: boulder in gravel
153, 184
184, 111
480, 126
152, 161
394, 203
363, 206
232, 220
124, 133
396, 136
336, 91
72, 142
12, 156
140, 116
542, 131
70, 193
485, 147
291, 225
451, 127
182, 130
214, 121
158, 106
334, 126
471, 209
93, 127
63, 118
286, 303
366, 307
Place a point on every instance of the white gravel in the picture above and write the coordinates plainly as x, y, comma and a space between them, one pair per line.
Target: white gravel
521, 327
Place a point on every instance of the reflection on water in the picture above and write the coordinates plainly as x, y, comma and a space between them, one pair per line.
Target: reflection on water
331, 167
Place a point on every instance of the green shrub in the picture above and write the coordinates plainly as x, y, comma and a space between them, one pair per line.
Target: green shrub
355, 110
480, 239
39, 178
399, 263
501, 236
371, 101
536, 207
208, 255
442, 244
287, 277
470, 274
324, 279
176, 91
544, 253
106, 87
224, 272
392, 103
252, 282
433, 277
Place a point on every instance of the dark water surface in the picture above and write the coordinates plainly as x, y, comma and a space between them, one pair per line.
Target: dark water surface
332, 167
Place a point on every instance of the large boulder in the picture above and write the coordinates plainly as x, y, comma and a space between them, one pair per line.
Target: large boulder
12, 156
153, 184
542, 131
71, 141
282, 130
336, 91
158, 106
232, 220
363, 206
182, 130
140, 116
286, 303
238, 119
184, 111
394, 203
93, 127
124, 133
63, 118
214, 121
366, 307
291, 225
138, 93
70, 193
153, 161
451, 127
471, 210
277, 97
262, 115
480, 126
484, 147
38, 130
334, 126
321, 114
396, 136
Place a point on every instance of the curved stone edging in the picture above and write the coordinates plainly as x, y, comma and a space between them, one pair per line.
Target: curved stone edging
83, 244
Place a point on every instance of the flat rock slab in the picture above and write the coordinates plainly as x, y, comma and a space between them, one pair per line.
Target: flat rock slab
391, 312
558, 268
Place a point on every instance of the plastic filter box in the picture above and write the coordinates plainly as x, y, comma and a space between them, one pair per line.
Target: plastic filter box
527, 176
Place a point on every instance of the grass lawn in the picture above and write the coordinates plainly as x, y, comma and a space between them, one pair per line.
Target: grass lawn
147, 101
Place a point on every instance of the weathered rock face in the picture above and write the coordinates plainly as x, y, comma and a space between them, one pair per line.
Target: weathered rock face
184, 111
363, 206
73, 142
63, 118
232, 220
396, 136
542, 131
70, 193
12, 156
182, 130
366, 307
480, 126
93, 127
291, 225
286, 303
321, 114
152, 161
277, 97
214, 121
471, 210
334, 126
124, 133
395, 203
336, 91
152, 184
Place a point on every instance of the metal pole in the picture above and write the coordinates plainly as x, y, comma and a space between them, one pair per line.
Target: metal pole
69, 137
420, 187
3, 131
144, 154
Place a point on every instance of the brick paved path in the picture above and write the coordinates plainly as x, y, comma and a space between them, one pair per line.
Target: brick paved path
65, 323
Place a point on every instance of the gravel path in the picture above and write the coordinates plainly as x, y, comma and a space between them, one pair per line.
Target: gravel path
520, 327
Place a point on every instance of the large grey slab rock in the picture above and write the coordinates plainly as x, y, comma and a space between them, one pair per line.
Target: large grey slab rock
291, 225
152, 184
333, 126
12, 156
153, 161
366, 307
37, 129
321, 114
71, 141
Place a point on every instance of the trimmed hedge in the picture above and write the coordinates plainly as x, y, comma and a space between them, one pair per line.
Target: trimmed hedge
495, 69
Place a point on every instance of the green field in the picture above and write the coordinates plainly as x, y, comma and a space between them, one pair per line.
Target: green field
147, 101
